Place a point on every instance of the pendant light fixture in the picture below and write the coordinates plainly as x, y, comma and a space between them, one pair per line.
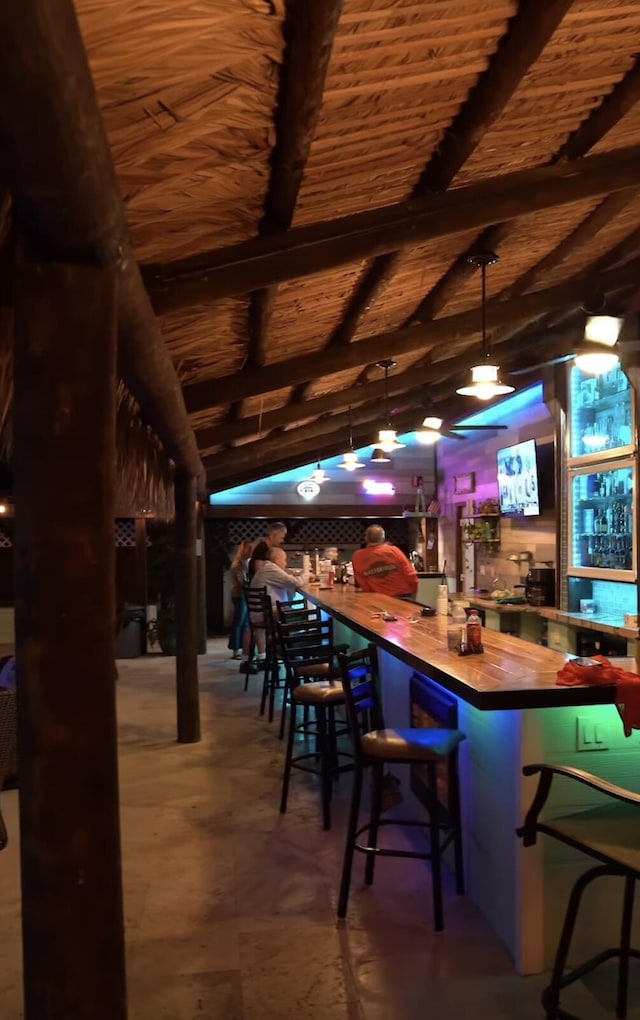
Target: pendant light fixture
485, 380
318, 475
380, 457
387, 436
350, 460
601, 329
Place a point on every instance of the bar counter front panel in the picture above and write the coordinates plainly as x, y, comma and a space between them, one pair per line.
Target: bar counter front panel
504, 701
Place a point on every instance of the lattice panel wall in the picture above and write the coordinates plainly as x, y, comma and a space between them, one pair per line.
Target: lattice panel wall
125, 530
5, 539
317, 532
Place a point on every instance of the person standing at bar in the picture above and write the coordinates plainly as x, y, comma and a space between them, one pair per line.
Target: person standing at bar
238, 570
383, 568
276, 534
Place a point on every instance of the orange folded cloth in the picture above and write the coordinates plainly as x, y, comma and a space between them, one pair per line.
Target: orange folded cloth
627, 687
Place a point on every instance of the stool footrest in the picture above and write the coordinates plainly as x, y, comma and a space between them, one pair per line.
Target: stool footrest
404, 823
549, 995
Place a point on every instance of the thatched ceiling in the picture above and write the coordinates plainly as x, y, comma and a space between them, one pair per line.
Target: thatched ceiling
304, 182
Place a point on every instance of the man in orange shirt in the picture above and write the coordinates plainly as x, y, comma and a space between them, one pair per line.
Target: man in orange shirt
383, 568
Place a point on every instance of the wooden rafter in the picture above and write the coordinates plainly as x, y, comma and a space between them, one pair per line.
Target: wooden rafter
309, 30
600, 121
528, 33
66, 199
307, 250
451, 329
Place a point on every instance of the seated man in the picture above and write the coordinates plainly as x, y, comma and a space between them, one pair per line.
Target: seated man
280, 585
383, 568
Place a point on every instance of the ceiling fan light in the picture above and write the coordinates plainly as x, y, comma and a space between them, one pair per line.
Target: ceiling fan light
350, 461
597, 362
603, 329
431, 422
380, 456
485, 383
427, 437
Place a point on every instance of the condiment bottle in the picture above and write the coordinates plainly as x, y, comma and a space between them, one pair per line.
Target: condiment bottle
474, 632
456, 631
443, 600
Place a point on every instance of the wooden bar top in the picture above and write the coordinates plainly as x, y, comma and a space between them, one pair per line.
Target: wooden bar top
509, 674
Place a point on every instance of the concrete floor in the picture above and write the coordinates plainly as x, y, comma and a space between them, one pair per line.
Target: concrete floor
230, 907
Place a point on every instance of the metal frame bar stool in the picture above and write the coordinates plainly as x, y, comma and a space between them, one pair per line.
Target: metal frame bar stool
309, 660
300, 614
254, 605
609, 833
375, 746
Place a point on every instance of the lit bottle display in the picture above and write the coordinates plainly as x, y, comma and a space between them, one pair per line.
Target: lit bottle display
602, 518
601, 419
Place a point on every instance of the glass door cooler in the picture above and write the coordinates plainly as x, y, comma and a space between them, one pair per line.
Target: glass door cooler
601, 516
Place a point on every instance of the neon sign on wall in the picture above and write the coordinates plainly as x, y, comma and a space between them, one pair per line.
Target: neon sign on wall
373, 488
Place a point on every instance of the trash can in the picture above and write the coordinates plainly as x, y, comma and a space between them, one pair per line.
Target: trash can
131, 640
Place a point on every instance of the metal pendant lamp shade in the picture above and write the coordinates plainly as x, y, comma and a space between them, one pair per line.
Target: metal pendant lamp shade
318, 474
350, 460
387, 436
380, 456
485, 377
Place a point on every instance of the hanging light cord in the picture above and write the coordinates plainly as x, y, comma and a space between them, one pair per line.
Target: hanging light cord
486, 351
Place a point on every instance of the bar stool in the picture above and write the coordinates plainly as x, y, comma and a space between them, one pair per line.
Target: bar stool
254, 598
272, 660
300, 614
608, 833
376, 746
309, 661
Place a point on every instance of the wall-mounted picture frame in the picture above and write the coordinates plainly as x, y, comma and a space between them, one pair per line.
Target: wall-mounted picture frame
464, 484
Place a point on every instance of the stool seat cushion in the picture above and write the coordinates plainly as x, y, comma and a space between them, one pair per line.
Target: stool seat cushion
322, 693
319, 669
410, 744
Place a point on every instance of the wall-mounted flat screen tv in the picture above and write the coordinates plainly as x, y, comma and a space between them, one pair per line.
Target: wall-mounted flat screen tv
518, 480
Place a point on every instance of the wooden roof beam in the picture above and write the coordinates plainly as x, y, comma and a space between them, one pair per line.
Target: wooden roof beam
56, 162
303, 251
528, 33
309, 30
448, 330
267, 453
595, 127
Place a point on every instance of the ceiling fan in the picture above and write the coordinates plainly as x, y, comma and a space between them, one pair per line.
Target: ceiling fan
608, 339
433, 427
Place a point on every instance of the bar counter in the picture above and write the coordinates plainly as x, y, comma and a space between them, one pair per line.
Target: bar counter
513, 714
509, 674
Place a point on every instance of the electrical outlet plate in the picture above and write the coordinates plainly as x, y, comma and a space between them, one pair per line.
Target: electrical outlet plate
591, 735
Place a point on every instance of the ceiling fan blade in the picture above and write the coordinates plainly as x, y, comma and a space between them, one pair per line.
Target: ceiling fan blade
478, 428
541, 364
448, 434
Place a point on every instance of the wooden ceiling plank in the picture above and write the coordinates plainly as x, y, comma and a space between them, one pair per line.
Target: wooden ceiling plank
66, 198
447, 330
307, 250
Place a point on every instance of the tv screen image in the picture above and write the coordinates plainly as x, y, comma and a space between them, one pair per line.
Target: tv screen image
518, 480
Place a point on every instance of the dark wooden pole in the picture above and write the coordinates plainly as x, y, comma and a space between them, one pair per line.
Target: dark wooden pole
64, 563
188, 700
201, 581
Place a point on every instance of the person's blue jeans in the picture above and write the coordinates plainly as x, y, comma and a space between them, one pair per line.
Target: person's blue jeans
240, 621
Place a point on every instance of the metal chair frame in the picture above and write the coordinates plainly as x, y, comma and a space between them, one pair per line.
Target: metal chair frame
610, 865
364, 712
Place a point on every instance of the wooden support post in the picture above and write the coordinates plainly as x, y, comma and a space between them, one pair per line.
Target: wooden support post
187, 693
201, 571
64, 564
